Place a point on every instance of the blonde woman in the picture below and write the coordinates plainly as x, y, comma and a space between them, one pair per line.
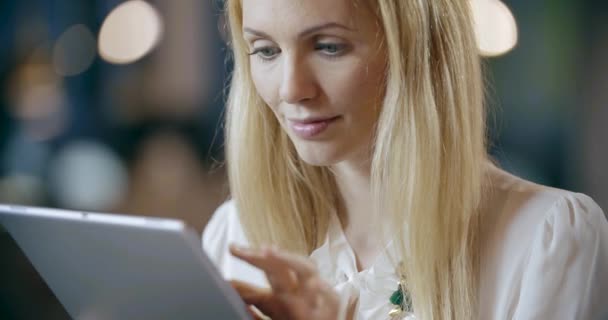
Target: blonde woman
361, 187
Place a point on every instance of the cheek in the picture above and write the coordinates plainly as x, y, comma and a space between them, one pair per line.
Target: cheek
371, 87
357, 77
370, 83
265, 86
360, 90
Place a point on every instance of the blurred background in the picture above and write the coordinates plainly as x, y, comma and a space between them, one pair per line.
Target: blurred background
117, 106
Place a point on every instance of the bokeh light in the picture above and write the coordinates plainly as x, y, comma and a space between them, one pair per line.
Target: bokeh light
88, 175
25, 155
38, 99
495, 27
21, 189
129, 32
74, 51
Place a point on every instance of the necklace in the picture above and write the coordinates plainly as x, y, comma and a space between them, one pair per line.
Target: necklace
402, 301
401, 298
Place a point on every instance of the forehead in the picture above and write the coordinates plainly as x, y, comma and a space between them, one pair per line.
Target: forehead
284, 15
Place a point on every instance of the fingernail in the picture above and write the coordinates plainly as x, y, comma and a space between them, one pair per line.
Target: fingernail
238, 248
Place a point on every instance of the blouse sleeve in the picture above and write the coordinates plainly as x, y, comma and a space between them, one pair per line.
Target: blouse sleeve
223, 229
566, 276
216, 235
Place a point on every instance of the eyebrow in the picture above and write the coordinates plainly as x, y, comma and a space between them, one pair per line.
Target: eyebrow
303, 33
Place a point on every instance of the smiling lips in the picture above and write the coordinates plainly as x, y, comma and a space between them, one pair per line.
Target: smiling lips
312, 127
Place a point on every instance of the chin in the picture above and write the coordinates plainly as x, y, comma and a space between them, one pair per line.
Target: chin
318, 162
319, 156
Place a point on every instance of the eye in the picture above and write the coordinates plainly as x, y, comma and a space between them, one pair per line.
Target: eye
265, 53
331, 49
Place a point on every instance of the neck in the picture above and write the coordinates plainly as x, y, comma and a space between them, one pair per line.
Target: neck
354, 191
355, 211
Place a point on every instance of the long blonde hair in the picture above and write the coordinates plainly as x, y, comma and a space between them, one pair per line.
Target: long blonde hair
428, 157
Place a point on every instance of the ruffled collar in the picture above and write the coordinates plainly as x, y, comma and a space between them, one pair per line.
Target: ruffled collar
337, 265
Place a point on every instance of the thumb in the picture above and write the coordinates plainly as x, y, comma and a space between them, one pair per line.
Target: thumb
250, 293
262, 298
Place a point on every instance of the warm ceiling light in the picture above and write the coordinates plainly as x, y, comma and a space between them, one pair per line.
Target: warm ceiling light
129, 32
495, 27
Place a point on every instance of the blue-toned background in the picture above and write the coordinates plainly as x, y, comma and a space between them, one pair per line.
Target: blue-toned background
146, 138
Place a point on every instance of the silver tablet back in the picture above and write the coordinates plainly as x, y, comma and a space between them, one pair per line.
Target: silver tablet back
122, 267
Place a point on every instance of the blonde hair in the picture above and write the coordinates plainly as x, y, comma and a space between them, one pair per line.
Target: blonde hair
427, 165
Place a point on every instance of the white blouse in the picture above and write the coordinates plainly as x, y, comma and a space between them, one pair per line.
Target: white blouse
544, 255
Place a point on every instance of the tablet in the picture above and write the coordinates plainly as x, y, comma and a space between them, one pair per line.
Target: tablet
107, 266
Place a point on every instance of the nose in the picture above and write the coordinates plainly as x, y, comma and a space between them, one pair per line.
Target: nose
298, 83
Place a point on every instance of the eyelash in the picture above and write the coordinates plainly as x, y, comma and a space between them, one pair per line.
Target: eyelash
340, 50
257, 52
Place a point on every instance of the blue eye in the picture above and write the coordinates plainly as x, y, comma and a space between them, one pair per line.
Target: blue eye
266, 53
331, 49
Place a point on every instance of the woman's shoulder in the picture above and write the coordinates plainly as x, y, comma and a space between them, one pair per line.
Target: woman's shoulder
502, 183
224, 228
543, 250
517, 212
509, 199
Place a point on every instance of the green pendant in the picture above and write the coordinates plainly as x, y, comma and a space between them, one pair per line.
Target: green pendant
402, 299
397, 297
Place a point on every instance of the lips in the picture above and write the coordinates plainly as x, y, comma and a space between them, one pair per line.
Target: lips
312, 120
312, 127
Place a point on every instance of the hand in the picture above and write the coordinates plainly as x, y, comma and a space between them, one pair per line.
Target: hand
297, 291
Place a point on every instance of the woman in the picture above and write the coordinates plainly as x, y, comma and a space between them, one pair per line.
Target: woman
360, 180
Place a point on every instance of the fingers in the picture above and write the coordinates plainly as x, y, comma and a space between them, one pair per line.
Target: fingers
287, 273
249, 293
303, 267
273, 260
297, 289
263, 299
281, 278
256, 314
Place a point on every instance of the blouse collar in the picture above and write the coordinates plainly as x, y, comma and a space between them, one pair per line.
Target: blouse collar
336, 262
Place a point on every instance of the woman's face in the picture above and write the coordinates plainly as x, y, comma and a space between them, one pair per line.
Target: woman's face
319, 66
